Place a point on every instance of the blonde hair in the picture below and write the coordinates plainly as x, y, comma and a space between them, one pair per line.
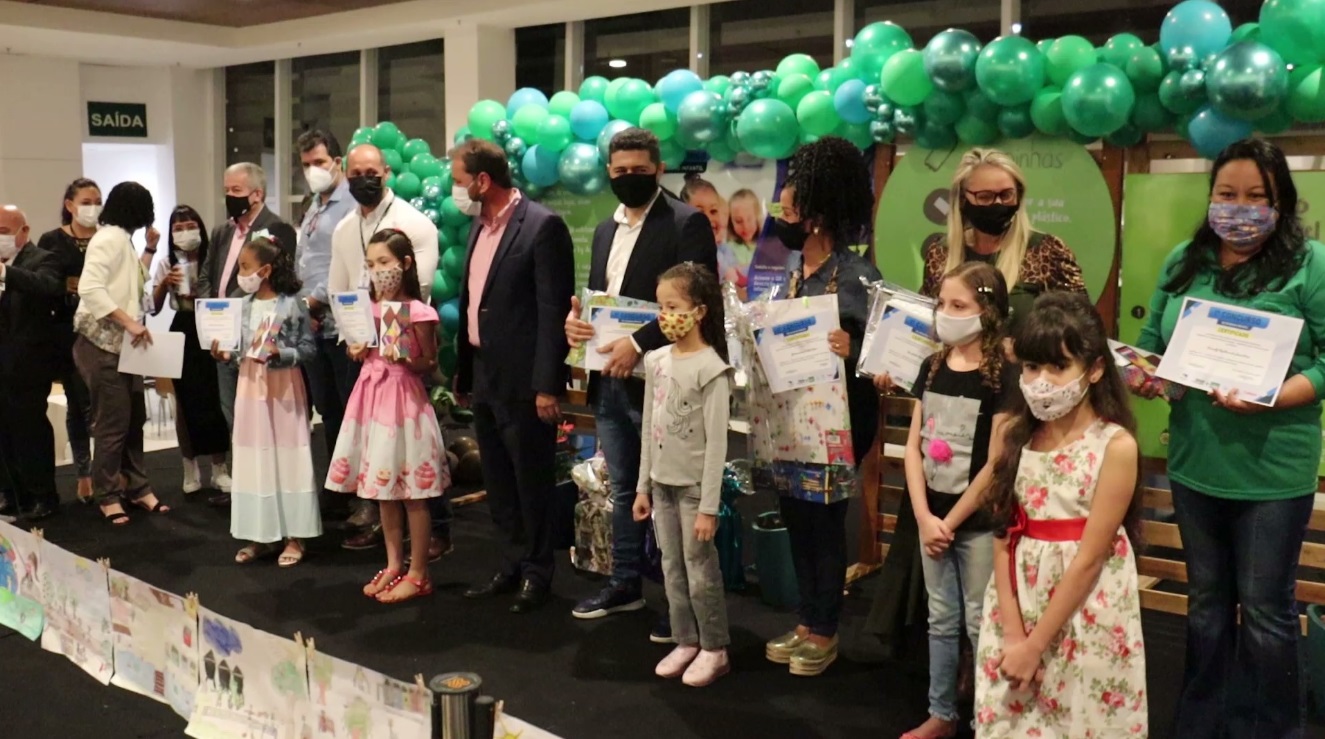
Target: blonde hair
1012, 249
744, 193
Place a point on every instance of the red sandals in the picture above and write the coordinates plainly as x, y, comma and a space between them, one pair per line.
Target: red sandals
421, 588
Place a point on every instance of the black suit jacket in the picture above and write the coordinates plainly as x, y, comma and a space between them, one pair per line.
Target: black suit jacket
33, 290
219, 251
522, 310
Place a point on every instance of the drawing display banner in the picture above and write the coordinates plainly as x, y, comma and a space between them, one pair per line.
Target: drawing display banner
156, 642
77, 602
20, 582
350, 701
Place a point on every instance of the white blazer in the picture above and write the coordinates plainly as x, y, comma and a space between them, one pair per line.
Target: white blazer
112, 275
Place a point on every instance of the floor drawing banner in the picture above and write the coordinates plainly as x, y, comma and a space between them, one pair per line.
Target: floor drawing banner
253, 685
351, 702
156, 642
77, 603
20, 581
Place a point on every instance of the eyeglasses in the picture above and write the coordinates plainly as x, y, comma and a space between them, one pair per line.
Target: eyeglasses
989, 197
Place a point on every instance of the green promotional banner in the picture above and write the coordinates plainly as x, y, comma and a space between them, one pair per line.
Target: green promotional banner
1161, 211
1065, 195
582, 214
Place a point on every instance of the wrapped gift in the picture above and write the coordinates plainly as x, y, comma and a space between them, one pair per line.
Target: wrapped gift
593, 518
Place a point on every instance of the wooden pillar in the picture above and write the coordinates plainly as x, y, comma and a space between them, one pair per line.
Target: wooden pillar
1113, 164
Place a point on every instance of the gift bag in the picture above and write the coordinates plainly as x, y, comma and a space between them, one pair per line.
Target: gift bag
593, 518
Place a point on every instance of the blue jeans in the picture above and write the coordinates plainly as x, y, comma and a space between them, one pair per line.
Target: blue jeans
1241, 681
618, 424
955, 583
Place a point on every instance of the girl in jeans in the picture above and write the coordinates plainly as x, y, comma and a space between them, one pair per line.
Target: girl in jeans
948, 454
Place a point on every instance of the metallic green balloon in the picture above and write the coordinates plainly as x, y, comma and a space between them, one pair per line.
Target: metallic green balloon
1015, 122
1098, 100
945, 108
1178, 100
1247, 80
581, 170
950, 59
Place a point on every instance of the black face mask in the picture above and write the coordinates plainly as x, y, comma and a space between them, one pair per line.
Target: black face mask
366, 190
792, 235
635, 190
989, 219
236, 206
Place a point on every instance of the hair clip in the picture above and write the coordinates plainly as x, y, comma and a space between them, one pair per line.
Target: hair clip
984, 289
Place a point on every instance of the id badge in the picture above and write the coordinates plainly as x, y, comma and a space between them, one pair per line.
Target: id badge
364, 280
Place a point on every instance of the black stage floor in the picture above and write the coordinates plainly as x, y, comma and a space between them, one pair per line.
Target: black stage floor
577, 679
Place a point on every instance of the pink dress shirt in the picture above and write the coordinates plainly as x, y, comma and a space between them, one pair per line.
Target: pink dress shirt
480, 263
232, 257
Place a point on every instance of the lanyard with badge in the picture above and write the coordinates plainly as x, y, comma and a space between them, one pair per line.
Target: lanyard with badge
364, 278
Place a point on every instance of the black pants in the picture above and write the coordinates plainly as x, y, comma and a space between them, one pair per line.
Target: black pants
819, 554
519, 471
331, 378
27, 442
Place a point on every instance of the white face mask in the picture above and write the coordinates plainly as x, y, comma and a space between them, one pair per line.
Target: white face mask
188, 240
319, 180
88, 215
8, 247
249, 283
462, 201
956, 330
1050, 402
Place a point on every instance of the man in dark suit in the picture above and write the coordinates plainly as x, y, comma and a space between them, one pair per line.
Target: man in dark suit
511, 356
650, 233
31, 291
245, 191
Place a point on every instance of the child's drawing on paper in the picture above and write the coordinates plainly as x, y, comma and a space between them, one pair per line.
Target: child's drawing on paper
351, 702
252, 685
20, 584
156, 648
77, 603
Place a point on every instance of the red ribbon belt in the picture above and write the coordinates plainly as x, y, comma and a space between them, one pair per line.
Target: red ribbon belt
1062, 529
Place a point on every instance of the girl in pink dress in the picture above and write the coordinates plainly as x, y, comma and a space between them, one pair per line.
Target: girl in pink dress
390, 445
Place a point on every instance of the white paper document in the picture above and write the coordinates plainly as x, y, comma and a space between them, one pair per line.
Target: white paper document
609, 324
164, 357
353, 312
218, 320
1224, 347
901, 343
793, 343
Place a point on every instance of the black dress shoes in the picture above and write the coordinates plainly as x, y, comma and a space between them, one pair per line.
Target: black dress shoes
39, 512
500, 584
531, 597
219, 501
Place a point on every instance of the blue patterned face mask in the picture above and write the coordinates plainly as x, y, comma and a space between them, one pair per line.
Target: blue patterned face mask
1242, 226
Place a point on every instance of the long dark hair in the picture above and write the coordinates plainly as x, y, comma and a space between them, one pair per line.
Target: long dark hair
129, 206
1060, 328
284, 279
185, 213
990, 288
71, 192
400, 247
833, 190
1281, 255
700, 286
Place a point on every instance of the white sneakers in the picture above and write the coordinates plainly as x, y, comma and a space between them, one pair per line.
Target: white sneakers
192, 481
694, 666
221, 477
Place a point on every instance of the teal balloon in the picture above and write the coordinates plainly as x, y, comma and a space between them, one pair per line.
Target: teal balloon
1010, 70
816, 114
387, 136
974, 132
701, 117
540, 166
433, 190
673, 88
1195, 29
1211, 131
453, 261
393, 160
449, 312
1176, 98
824, 80
655, 118
408, 185
1016, 122
908, 121
768, 129
875, 44
1247, 80
516, 147
882, 133
849, 100
526, 121
413, 148
797, 64
454, 218
483, 115
444, 288
792, 88
1296, 29
605, 139
554, 133
1149, 114
432, 214
630, 100
563, 103
950, 59
904, 79
1145, 69
1118, 49
426, 165
935, 136
593, 88
523, 97
945, 108
462, 135
580, 169
1126, 136
587, 119
1098, 100
1066, 56
718, 83
1047, 112
502, 131
673, 153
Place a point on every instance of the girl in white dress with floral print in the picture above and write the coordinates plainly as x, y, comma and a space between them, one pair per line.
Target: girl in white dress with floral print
1060, 653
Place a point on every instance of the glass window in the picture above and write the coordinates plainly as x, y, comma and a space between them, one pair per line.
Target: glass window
411, 90
540, 58
1043, 19
324, 96
924, 19
250, 103
645, 45
749, 36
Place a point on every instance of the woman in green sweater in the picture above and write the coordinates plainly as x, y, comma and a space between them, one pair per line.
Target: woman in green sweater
1244, 475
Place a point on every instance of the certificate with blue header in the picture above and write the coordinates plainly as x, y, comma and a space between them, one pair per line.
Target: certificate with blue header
353, 312
1225, 347
793, 343
902, 343
611, 323
218, 320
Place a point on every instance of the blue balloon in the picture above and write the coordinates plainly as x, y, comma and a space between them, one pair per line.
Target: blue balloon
1211, 131
522, 97
449, 312
1194, 29
587, 119
675, 85
849, 100
700, 119
540, 166
580, 169
605, 138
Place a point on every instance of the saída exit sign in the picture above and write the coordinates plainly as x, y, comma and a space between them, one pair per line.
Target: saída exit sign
120, 120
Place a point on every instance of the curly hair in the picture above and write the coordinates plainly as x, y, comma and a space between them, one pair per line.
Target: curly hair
990, 289
700, 286
1282, 254
284, 278
833, 190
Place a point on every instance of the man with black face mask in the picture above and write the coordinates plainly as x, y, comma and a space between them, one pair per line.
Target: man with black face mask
248, 219
650, 233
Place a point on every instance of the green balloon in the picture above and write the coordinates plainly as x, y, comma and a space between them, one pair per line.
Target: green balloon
408, 185
424, 166
1247, 80
594, 88
1146, 69
363, 134
934, 136
816, 114
945, 108
1119, 49
413, 148
719, 151
1126, 136
824, 80
483, 115
718, 83
1183, 125
1047, 112
1067, 55
794, 87
527, 120
1098, 100
875, 44
630, 100
1246, 32
387, 136
453, 261
1295, 29
655, 118
673, 154
857, 133
1010, 70
1081, 138
610, 93
1149, 114
393, 160
446, 358
797, 64
554, 133
768, 129
979, 105
849, 69
453, 217
391, 181
462, 135
562, 102
1016, 122
1175, 99
443, 287
975, 132
1306, 97
1277, 122
904, 80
